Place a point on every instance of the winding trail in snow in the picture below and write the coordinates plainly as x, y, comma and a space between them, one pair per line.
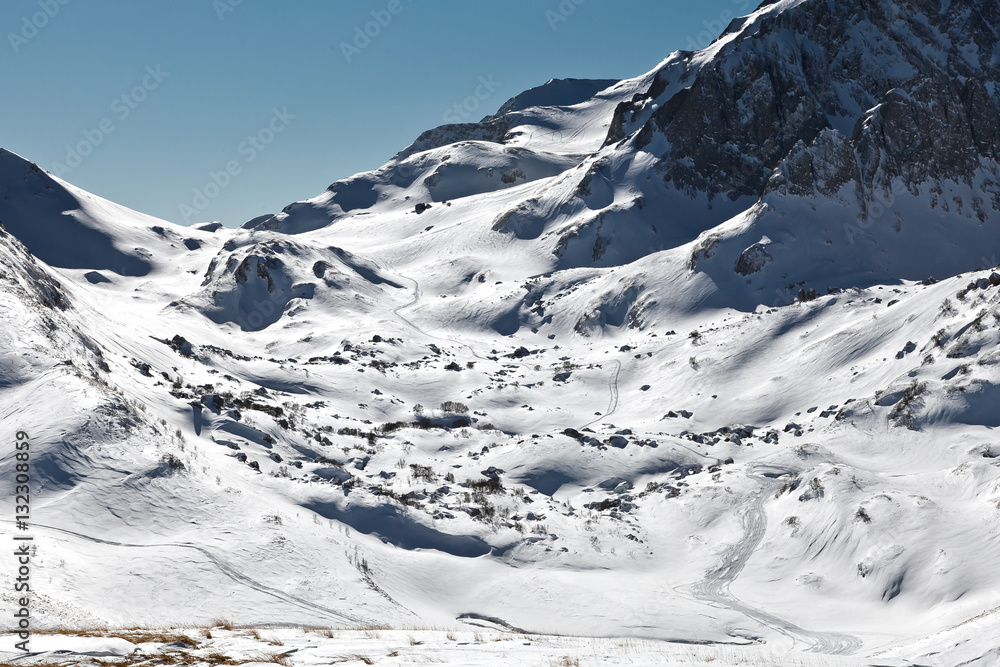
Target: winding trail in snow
411, 324
612, 380
714, 588
223, 567
613, 391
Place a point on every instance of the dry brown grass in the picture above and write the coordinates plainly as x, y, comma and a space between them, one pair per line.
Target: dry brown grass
98, 631
219, 659
273, 641
567, 661
134, 635
276, 658
357, 656
372, 626
179, 656
153, 637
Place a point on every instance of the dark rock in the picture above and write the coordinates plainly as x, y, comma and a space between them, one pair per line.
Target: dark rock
808, 295
213, 402
492, 472
752, 260
181, 346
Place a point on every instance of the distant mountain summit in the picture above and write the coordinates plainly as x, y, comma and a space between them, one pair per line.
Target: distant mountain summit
813, 144
906, 85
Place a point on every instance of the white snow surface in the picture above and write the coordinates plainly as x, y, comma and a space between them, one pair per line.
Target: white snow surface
546, 403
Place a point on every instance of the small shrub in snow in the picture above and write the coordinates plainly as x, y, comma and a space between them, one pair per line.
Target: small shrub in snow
422, 472
172, 462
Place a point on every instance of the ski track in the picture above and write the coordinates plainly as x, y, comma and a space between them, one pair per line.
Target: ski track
223, 566
714, 588
613, 394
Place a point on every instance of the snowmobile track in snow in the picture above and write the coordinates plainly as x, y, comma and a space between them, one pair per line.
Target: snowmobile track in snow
714, 588
613, 391
223, 566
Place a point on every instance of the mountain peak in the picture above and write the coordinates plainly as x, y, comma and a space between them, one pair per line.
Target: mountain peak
69, 228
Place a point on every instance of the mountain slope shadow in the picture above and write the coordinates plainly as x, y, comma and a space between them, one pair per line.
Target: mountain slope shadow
54, 225
393, 526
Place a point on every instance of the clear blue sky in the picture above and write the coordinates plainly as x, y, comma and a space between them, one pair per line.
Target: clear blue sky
161, 93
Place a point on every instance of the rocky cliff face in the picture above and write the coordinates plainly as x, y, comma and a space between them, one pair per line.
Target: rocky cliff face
254, 283
907, 83
835, 117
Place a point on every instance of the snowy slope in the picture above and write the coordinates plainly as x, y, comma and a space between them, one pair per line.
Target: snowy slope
657, 358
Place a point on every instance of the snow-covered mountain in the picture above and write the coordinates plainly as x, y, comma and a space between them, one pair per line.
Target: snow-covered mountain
659, 357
